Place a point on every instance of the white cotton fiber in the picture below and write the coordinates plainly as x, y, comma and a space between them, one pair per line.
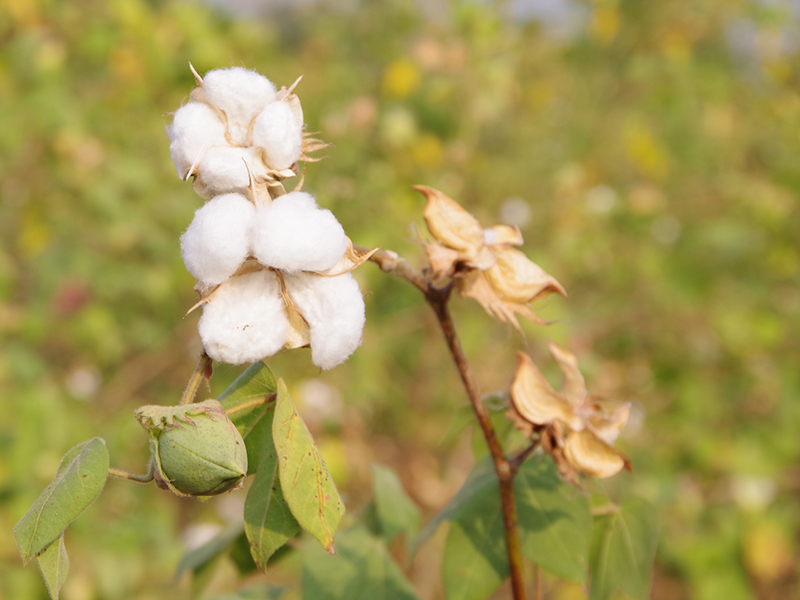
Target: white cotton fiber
334, 310
195, 128
278, 131
219, 238
245, 319
294, 234
224, 170
241, 94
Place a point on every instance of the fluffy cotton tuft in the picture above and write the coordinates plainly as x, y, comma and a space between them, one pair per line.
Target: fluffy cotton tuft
219, 238
195, 129
278, 131
294, 234
333, 307
241, 94
245, 319
224, 170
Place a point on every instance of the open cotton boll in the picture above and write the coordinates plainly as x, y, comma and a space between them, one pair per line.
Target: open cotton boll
333, 307
224, 170
294, 234
241, 94
218, 239
245, 319
278, 131
195, 129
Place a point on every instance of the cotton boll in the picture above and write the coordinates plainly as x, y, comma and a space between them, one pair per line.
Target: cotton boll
245, 319
334, 310
241, 94
278, 131
224, 170
195, 128
294, 234
219, 238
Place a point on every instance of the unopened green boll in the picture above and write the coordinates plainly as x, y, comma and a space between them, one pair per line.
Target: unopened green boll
196, 449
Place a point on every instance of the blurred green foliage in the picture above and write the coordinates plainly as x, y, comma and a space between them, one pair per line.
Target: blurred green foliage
649, 155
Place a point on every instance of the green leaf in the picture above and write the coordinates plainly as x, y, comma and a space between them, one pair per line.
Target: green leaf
508, 435
268, 522
201, 556
624, 544
396, 512
241, 556
475, 561
361, 570
307, 486
555, 520
79, 480
260, 591
54, 565
256, 383
481, 476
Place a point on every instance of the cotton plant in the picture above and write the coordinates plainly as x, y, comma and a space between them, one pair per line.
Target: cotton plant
274, 272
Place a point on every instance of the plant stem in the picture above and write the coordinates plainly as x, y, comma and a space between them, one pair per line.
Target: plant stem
390, 262
516, 461
194, 381
537, 582
438, 299
502, 467
120, 474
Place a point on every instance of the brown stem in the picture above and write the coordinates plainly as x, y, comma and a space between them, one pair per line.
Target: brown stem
505, 474
537, 582
438, 299
194, 381
391, 263
517, 460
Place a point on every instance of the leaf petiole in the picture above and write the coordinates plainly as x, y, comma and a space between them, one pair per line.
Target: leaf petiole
120, 474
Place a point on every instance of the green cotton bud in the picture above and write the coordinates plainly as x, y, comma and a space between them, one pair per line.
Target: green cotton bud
196, 450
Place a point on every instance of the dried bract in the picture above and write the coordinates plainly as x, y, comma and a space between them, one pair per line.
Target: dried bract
570, 423
481, 262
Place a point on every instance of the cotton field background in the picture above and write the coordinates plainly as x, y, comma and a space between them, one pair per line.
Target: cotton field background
648, 151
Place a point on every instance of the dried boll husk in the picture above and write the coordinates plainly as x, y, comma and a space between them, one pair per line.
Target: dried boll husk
580, 435
536, 400
450, 223
515, 278
590, 455
195, 448
481, 263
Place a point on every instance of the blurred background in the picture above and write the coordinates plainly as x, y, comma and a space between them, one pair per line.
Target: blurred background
649, 152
